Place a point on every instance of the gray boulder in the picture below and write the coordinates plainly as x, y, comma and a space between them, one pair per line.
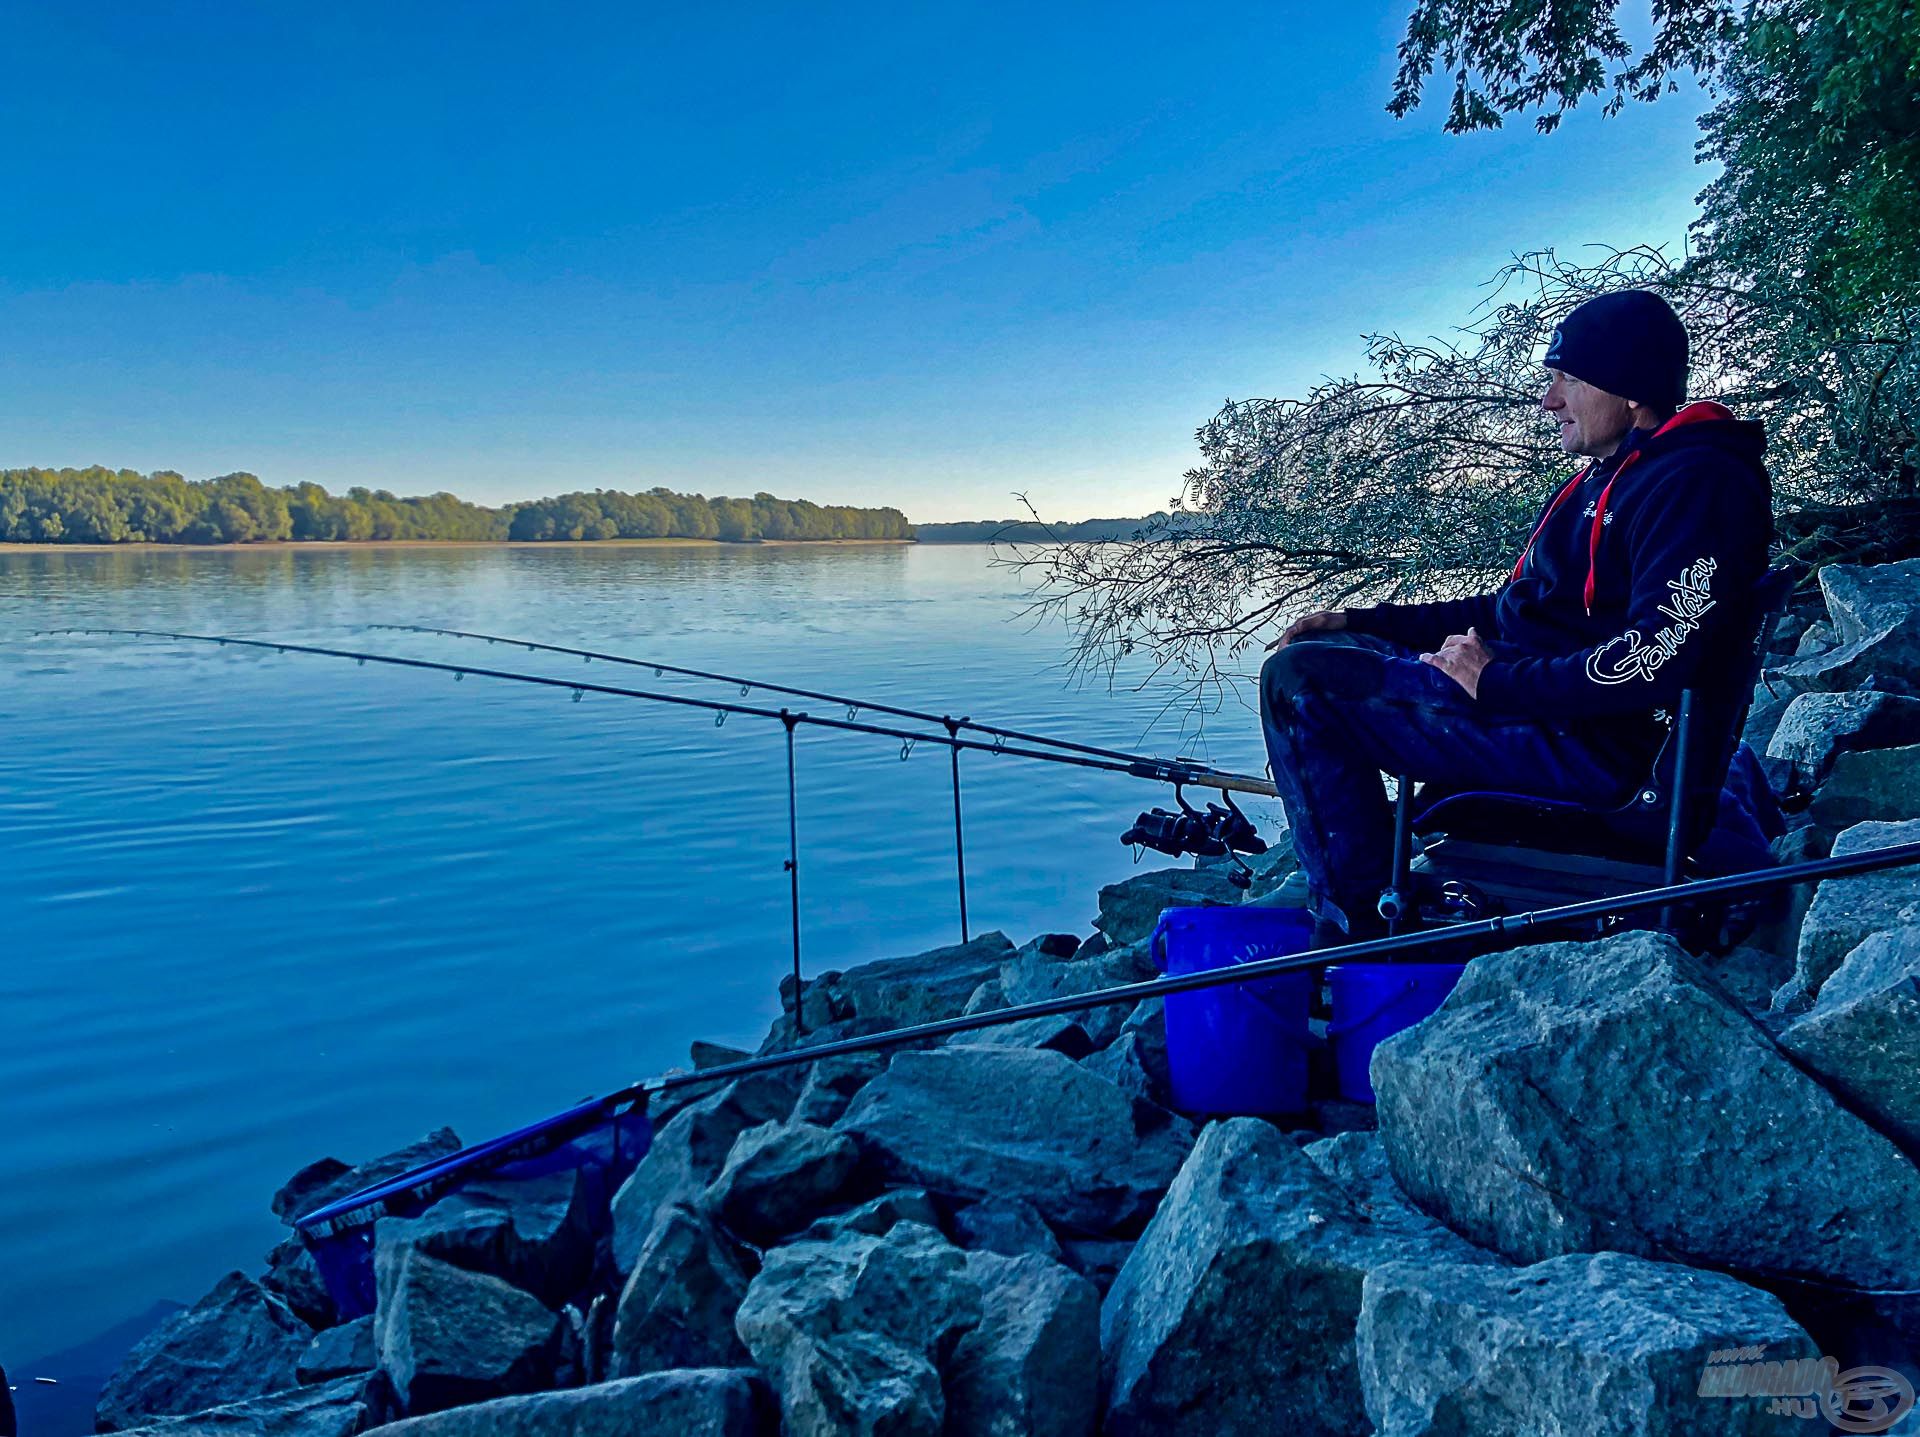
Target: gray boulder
1031, 978
1129, 910
896, 992
536, 1233
1356, 1163
329, 1179
339, 1352
1568, 1098
1006, 1226
1763, 717
294, 1277
677, 1308
704, 1055
1136, 1060
1875, 612
1603, 1346
853, 1332
298, 1193
345, 1407
831, 1083
237, 1342
1874, 784
778, 1177
690, 1149
712, 1402
1863, 1036
1816, 728
1031, 1368
1847, 911
1062, 1032
877, 1216
1235, 1313
976, 1122
446, 1336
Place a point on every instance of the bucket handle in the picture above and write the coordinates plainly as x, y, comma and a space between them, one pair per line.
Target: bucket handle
1408, 985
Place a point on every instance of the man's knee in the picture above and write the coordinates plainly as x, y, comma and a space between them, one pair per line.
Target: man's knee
1337, 665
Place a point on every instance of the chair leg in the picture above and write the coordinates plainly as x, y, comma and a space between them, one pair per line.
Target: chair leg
1397, 899
1677, 803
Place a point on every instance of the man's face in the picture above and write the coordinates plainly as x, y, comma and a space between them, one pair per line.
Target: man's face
1592, 421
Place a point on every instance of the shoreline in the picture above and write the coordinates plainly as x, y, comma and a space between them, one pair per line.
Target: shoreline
275, 545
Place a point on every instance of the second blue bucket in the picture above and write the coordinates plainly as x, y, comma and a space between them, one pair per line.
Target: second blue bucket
1238, 1049
1373, 1001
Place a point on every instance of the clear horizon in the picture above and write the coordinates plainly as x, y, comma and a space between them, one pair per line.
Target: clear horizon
920, 261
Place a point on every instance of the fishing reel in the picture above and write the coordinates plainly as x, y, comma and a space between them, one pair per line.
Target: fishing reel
1217, 833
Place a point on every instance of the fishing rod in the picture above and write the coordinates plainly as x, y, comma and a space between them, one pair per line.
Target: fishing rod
424, 1183
852, 706
1176, 772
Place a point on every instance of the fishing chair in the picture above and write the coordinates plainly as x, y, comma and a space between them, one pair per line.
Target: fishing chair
1486, 852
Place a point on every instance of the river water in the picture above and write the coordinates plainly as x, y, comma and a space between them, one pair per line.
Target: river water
256, 909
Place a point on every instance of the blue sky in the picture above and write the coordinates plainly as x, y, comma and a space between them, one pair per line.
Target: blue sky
857, 253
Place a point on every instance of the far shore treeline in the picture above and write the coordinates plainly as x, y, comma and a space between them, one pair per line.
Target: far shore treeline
106, 506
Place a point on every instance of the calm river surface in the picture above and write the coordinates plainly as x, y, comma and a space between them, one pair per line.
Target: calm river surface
257, 909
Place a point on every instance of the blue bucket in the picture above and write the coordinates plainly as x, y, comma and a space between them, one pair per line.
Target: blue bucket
1372, 1002
1237, 1050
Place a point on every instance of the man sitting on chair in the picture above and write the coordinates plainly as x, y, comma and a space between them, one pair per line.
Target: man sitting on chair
1556, 685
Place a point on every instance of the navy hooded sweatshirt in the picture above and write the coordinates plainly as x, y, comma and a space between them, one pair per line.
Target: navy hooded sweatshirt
1638, 567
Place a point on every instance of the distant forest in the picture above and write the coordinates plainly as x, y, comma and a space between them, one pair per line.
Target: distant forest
1027, 531
106, 506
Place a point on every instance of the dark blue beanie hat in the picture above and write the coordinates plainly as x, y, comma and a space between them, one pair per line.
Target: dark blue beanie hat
1629, 343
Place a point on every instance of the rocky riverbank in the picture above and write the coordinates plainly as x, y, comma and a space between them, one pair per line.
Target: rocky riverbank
1608, 1188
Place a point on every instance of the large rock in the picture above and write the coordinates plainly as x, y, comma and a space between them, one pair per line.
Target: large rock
1031, 978
853, 1332
1136, 1060
1032, 1366
1235, 1314
1874, 784
712, 1402
1847, 911
977, 1122
1875, 612
1130, 910
1570, 1097
294, 1277
690, 1149
1602, 1346
831, 1083
446, 1336
1863, 1036
1356, 1163
1815, 729
237, 1342
345, 1407
1006, 1226
878, 1216
306, 1189
677, 1308
536, 1233
339, 1352
896, 992
329, 1179
779, 1176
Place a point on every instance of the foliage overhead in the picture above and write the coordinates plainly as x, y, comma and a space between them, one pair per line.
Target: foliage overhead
1512, 56
106, 506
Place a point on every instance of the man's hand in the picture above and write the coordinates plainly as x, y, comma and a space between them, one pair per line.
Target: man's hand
1326, 621
1461, 658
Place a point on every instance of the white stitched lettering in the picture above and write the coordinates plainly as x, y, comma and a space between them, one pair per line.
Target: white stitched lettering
1689, 598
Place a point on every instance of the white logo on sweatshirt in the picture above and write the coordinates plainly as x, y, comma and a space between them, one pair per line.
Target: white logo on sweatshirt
1689, 600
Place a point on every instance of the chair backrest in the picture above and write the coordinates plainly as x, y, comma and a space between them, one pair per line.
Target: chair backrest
1716, 711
